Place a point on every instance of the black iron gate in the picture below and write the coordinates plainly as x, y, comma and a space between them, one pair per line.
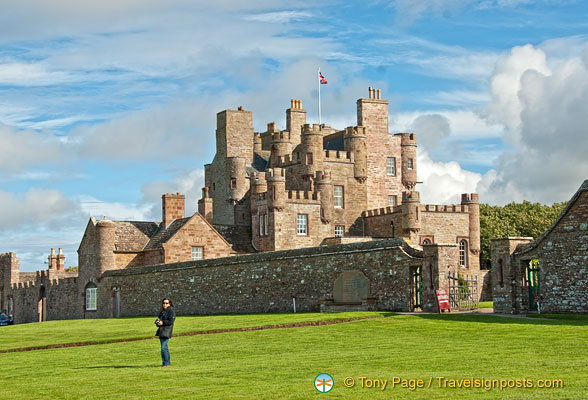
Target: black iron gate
463, 292
416, 288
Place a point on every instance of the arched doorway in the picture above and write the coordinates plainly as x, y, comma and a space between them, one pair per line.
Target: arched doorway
42, 304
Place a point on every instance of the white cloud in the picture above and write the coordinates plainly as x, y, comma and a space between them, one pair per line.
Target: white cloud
431, 128
280, 17
22, 149
545, 115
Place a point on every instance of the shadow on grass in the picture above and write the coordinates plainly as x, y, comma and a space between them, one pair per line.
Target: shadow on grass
497, 319
119, 366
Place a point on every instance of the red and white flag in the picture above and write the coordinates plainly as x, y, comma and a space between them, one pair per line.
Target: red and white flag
322, 79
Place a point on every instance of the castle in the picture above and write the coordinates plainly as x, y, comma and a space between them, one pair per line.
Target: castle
274, 191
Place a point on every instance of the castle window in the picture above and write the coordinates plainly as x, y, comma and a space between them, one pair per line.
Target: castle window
463, 256
339, 230
266, 223
302, 224
261, 225
233, 184
308, 158
392, 201
91, 297
410, 163
391, 166
338, 196
426, 241
197, 253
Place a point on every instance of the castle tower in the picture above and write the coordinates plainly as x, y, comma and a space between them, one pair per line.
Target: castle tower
311, 149
276, 189
411, 203
324, 186
295, 120
205, 207
105, 231
408, 157
257, 147
354, 141
172, 208
9, 274
280, 147
234, 134
473, 203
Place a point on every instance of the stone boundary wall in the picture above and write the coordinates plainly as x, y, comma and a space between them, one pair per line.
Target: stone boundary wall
265, 282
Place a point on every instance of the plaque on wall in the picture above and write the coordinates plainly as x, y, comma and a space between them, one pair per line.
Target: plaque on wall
351, 287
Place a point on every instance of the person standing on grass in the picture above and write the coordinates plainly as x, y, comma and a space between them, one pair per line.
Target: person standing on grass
165, 323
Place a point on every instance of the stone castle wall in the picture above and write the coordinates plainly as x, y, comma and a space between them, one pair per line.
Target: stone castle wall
265, 282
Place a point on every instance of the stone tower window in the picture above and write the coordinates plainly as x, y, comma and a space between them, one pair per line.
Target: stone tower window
410, 163
233, 184
91, 297
463, 256
391, 166
308, 158
261, 225
427, 241
302, 224
266, 223
392, 201
339, 230
338, 196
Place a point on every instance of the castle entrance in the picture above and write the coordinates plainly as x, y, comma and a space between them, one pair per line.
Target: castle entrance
42, 304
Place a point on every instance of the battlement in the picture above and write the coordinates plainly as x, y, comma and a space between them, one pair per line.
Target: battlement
275, 173
407, 139
379, 212
338, 156
280, 136
452, 208
303, 195
316, 129
355, 131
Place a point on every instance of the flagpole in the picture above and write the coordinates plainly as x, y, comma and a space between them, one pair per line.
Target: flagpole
319, 93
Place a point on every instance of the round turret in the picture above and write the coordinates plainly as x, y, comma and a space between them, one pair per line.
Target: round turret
238, 182
324, 187
276, 189
408, 151
311, 148
354, 140
411, 202
105, 230
473, 203
258, 185
280, 147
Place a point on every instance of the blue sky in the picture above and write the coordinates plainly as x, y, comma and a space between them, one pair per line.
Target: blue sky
104, 106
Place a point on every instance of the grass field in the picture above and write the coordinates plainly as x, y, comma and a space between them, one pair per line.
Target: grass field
282, 363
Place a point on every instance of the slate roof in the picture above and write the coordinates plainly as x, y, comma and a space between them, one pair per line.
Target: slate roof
163, 235
133, 235
260, 160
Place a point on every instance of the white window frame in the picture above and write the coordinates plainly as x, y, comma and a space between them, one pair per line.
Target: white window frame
392, 200
391, 166
261, 225
339, 198
302, 224
91, 298
266, 223
463, 256
195, 256
410, 163
339, 230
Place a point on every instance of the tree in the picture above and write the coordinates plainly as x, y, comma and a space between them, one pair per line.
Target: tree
514, 219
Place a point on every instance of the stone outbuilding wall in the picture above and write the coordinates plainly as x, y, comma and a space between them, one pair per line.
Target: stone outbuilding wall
562, 257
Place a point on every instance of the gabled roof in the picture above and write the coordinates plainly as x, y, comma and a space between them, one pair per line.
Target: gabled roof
133, 235
530, 246
164, 234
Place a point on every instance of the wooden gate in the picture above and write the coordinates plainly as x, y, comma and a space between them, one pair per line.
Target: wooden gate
463, 292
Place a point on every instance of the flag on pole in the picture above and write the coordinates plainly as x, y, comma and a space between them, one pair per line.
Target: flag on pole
322, 79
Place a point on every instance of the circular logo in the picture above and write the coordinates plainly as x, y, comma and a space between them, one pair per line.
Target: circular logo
324, 383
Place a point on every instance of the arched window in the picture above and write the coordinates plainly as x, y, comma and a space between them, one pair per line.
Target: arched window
463, 253
426, 241
91, 297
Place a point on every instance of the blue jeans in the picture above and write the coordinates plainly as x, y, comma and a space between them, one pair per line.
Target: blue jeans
165, 352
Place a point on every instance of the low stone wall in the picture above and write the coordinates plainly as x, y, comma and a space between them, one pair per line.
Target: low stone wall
265, 282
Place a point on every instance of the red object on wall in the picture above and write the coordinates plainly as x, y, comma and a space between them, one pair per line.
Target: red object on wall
442, 300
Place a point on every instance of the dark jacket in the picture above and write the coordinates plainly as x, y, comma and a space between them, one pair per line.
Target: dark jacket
167, 317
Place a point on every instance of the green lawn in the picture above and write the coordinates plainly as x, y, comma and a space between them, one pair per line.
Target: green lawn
282, 363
